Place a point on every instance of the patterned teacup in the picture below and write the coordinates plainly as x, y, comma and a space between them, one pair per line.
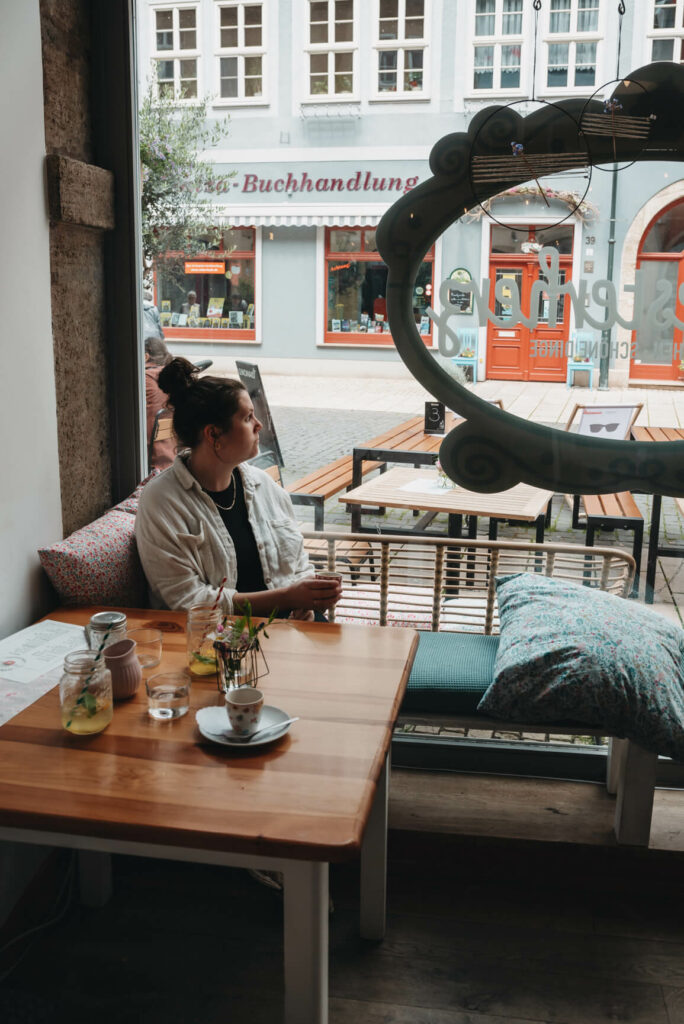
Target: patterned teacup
244, 706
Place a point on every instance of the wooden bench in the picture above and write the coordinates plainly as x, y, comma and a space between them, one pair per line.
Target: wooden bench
446, 586
612, 512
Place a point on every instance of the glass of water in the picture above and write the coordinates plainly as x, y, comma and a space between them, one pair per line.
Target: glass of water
168, 695
148, 646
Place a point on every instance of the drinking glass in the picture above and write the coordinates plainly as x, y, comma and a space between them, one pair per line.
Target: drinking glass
168, 695
148, 646
85, 694
202, 630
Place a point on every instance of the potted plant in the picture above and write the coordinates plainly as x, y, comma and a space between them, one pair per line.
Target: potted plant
241, 660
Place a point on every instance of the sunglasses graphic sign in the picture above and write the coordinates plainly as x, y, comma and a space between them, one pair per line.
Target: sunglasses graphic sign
492, 450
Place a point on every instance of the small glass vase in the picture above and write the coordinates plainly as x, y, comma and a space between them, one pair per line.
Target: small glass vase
239, 664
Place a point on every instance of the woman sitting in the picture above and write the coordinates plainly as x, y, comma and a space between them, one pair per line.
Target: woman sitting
212, 516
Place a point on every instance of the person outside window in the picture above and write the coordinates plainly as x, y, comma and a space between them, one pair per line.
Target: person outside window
156, 357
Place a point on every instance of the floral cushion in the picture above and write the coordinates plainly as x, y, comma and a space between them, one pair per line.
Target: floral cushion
572, 653
99, 563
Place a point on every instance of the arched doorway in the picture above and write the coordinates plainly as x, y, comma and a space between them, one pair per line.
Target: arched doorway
660, 258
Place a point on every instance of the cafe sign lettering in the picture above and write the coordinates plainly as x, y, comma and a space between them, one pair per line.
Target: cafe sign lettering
491, 450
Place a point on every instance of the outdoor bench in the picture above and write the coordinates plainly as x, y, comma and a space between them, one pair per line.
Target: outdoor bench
445, 588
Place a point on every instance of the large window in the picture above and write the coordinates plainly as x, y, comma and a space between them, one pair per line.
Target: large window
498, 45
356, 278
210, 296
572, 44
241, 51
667, 30
331, 50
176, 51
401, 48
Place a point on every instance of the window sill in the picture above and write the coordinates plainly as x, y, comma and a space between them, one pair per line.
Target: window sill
260, 102
401, 97
217, 334
349, 340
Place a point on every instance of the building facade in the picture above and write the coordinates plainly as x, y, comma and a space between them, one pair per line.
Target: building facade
334, 107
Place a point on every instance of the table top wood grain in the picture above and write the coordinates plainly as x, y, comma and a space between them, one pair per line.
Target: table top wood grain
305, 796
520, 502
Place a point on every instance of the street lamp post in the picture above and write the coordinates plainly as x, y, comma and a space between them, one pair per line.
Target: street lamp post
606, 334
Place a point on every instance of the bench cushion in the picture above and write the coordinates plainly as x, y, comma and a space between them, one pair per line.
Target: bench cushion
451, 672
570, 652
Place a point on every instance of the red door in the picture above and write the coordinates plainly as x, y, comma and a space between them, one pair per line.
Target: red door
516, 352
657, 352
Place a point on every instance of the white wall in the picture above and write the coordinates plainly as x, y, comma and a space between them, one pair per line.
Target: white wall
30, 509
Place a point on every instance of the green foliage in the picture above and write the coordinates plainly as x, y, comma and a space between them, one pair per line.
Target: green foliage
177, 213
244, 632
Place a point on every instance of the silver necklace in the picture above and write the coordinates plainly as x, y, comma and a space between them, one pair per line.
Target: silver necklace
227, 508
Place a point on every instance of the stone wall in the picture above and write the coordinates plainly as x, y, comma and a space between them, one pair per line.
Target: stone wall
77, 272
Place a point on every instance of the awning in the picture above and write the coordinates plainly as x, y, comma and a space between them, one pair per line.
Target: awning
312, 215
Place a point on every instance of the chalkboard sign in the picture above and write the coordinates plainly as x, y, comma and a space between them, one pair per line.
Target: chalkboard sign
462, 301
435, 419
268, 439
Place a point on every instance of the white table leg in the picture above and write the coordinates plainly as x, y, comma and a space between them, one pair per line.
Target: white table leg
94, 877
636, 790
305, 900
374, 863
616, 755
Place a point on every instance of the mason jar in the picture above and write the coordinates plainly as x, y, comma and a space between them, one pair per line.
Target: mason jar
202, 630
102, 623
85, 693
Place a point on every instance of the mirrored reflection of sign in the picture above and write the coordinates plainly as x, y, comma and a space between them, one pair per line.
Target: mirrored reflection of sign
461, 301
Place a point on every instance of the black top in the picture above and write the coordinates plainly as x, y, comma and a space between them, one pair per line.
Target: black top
250, 575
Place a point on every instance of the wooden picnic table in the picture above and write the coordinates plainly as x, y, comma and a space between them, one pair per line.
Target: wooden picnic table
409, 436
654, 548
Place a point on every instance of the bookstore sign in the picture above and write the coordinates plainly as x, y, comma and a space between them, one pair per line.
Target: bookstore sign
204, 267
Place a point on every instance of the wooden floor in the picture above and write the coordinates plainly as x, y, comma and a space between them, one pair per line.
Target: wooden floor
482, 929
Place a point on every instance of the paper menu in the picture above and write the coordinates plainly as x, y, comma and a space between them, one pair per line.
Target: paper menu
31, 652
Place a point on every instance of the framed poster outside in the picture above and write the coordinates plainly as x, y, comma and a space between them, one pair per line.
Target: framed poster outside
461, 301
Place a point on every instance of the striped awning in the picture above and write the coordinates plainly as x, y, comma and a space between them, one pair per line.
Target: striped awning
316, 215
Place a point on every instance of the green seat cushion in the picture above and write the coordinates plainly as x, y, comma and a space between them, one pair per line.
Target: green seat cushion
451, 672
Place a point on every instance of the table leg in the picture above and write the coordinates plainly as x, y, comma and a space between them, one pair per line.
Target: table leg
540, 524
94, 878
374, 863
652, 562
305, 899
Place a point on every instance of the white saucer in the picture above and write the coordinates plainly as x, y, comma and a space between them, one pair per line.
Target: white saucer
213, 724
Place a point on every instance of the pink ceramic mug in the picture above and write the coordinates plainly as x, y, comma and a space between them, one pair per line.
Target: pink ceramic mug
121, 660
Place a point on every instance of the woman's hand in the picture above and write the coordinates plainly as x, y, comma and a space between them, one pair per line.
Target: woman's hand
313, 594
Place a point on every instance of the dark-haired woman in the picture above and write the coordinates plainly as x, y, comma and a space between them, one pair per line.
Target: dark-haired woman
212, 515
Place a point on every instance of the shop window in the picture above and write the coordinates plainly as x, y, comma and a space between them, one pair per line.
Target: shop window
401, 48
211, 295
331, 51
497, 52
241, 51
176, 52
571, 57
356, 288
524, 240
667, 31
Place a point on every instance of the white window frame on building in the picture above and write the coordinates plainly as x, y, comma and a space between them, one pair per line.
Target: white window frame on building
660, 35
246, 52
570, 26
501, 44
410, 83
331, 59
178, 54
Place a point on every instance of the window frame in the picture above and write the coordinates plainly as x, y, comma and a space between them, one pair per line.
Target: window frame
498, 40
220, 335
331, 48
675, 33
571, 39
176, 54
356, 338
401, 44
240, 52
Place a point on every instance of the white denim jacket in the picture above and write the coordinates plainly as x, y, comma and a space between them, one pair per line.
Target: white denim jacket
186, 550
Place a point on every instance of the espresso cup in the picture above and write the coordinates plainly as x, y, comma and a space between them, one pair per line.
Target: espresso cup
244, 706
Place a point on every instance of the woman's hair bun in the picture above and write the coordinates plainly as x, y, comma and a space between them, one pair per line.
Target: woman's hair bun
176, 377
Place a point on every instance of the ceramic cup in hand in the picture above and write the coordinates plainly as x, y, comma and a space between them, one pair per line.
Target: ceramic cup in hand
244, 706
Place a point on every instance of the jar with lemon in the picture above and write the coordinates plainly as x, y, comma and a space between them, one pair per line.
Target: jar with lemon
202, 630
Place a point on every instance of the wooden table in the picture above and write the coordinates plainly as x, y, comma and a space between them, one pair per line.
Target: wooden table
159, 789
654, 549
399, 488
406, 442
